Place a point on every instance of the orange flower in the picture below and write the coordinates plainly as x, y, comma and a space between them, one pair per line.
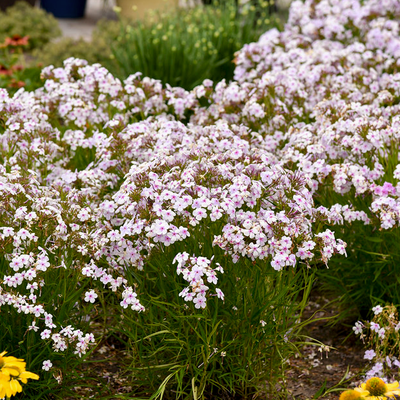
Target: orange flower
4, 70
16, 40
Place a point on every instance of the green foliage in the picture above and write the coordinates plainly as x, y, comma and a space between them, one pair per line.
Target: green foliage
370, 274
184, 47
239, 346
29, 76
25, 20
54, 53
28, 344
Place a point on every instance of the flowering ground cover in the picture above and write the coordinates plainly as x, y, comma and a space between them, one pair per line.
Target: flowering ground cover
189, 227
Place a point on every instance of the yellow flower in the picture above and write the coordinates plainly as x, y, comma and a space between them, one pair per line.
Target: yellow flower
11, 365
24, 376
356, 394
12, 370
379, 390
4, 385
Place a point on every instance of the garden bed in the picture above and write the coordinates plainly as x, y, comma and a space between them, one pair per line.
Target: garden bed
183, 232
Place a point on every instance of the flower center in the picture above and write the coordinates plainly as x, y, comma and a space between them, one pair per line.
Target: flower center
350, 395
376, 386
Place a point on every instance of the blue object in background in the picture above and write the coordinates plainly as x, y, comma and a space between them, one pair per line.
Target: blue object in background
64, 8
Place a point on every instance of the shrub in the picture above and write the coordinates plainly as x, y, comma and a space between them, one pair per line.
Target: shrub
14, 73
54, 53
25, 20
240, 346
327, 106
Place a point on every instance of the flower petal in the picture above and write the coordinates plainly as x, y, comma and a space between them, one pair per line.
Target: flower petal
24, 376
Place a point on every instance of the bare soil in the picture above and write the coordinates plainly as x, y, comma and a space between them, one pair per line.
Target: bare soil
320, 374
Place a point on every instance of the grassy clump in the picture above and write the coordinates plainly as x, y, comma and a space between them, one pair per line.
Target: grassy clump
238, 347
186, 46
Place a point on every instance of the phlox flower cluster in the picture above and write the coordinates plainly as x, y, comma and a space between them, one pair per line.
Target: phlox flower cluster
98, 175
381, 335
197, 271
325, 90
41, 222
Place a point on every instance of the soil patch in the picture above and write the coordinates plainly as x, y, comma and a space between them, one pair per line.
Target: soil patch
319, 370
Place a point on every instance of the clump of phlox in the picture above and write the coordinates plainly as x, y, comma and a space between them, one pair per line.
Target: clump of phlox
99, 174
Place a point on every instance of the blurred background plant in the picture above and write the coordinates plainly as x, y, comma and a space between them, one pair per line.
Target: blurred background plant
13, 71
23, 28
54, 53
96, 51
181, 47
185, 46
24, 20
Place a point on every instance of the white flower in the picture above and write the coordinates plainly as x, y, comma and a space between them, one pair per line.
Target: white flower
200, 302
369, 355
358, 328
91, 296
381, 333
33, 327
47, 365
220, 293
377, 309
374, 327
45, 334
